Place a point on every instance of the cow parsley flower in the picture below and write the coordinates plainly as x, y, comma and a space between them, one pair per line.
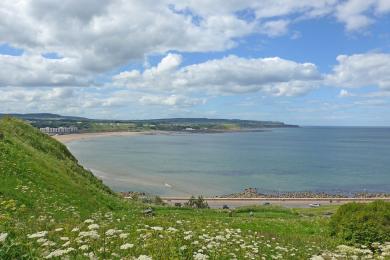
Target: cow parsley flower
3, 237
200, 256
59, 252
123, 236
126, 246
38, 234
93, 226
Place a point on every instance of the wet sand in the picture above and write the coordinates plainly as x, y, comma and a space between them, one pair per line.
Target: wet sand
285, 202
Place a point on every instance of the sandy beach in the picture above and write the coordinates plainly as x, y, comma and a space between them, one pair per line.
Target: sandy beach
83, 136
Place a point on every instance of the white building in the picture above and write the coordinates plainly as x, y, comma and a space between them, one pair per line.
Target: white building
59, 130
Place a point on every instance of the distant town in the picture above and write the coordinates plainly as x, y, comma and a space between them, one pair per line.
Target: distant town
59, 130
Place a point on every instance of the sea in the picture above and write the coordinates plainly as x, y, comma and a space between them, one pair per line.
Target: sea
318, 159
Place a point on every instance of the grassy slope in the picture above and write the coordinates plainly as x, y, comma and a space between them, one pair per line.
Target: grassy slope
49, 171
43, 188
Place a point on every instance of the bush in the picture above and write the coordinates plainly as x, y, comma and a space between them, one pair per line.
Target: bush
361, 223
198, 203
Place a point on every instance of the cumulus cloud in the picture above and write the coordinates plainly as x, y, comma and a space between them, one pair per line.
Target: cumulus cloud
228, 75
361, 70
358, 14
102, 35
37, 71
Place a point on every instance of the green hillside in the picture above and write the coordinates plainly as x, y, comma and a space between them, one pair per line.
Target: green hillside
50, 207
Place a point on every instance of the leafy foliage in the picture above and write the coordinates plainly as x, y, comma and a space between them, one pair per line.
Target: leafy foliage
362, 223
198, 203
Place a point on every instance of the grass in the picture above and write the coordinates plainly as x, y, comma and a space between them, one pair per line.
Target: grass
51, 207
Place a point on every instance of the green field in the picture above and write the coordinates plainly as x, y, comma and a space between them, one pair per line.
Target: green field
50, 207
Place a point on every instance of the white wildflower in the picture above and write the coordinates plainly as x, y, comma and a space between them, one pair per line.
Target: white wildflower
84, 247
123, 236
41, 240
172, 229
38, 234
3, 237
200, 256
93, 226
126, 246
111, 232
89, 221
92, 234
64, 238
182, 248
75, 230
59, 252
66, 244
49, 243
58, 229
157, 228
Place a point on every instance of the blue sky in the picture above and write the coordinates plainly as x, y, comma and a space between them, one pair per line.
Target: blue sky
310, 63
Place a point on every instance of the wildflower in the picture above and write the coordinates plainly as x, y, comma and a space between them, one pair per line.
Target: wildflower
38, 234
58, 229
89, 221
126, 246
75, 230
92, 234
182, 248
84, 247
123, 235
188, 237
317, 257
49, 243
172, 229
200, 256
66, 244
59, 252
110, 232
3, 237
41, 240
157, 228
91, 256
93, 226
64, 238
144, 257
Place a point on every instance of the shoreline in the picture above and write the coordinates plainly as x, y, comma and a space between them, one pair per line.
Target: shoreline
86, 136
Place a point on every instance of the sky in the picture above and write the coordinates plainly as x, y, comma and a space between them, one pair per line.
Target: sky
323, 62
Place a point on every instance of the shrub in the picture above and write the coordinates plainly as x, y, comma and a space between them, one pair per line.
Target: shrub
361, 223
198, 203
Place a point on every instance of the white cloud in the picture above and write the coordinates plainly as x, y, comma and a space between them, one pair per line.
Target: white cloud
172, 100
344, 93
361, 70
358, 14
99, 36
231, 74
275, 28
36, 71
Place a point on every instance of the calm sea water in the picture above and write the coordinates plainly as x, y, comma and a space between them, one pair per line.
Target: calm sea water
326, 159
